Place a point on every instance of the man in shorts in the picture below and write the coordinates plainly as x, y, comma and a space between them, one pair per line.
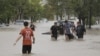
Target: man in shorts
28, 37
68, 34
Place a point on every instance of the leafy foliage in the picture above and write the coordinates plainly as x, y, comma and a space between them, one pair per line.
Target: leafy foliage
19, 9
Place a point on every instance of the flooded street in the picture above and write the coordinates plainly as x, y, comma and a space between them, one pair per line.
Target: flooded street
44, 46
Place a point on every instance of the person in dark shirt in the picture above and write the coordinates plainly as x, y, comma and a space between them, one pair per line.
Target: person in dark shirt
80, 30
54, 31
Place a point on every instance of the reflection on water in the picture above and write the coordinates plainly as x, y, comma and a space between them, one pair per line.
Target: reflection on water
32, 54
24, 54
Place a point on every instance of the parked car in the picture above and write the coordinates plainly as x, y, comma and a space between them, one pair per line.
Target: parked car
74, 19
60, 22
19, 22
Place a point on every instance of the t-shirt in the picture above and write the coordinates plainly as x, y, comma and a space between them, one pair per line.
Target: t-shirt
80, 29
67, 28
27, 33
54, 29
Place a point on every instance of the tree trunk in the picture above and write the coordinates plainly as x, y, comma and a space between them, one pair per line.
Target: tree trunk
20, 16
7, 22
98, 21
80, 20
68, 16
56, 17
90, 17
61, 17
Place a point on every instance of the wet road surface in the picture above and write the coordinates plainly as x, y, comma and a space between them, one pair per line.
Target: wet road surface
44, 46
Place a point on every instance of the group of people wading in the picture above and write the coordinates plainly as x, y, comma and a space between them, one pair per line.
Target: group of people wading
68, 29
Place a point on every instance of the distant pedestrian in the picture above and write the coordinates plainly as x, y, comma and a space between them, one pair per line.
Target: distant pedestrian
80, 30
28, 37
54, 31
67, 27
32, 26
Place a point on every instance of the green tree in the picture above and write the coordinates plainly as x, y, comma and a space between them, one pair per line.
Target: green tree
19, 9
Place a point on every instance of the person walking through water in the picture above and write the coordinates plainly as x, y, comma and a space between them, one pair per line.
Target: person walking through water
54, 31
80, 30
28, 37
68, 34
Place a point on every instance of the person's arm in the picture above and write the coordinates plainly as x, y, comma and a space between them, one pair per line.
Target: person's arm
65, 28
33, 40
75, 30
17, 39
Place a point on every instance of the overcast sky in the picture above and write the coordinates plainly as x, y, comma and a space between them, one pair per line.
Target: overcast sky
44, 1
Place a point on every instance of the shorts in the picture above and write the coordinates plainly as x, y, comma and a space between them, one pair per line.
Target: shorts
55, 36
26, 49
80, 35
70, 36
